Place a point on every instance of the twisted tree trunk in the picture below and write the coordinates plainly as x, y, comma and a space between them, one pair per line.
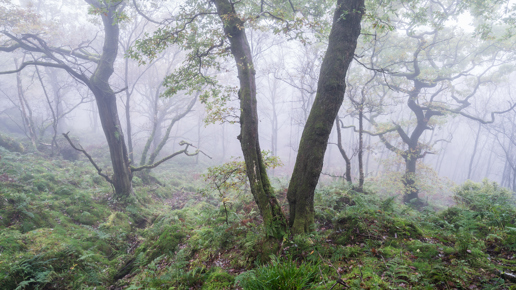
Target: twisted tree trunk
106, 103
263, 193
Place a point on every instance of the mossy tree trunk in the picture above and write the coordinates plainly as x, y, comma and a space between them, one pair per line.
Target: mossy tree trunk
98, 82
106, 101
330, 94
409, 179
270, 210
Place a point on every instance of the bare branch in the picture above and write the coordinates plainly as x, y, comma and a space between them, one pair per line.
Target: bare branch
119, 91
369, 132
479, 119
156, 164
143, 15
10, 48
99, 171
27, 63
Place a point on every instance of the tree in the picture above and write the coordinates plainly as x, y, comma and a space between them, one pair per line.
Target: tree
97, 82
330, 94
504, 133
426, 60
204, 52
256, 172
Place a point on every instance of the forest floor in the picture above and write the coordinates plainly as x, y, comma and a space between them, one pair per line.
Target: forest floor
61, 229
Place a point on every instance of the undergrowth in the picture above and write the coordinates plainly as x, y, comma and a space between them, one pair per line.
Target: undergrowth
60, 229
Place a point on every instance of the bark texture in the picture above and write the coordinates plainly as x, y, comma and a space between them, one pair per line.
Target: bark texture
270, 210
330, 94
106, 104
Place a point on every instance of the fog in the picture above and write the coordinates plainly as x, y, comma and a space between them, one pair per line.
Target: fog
257, 144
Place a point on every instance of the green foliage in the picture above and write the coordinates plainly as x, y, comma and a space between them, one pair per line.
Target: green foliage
73, 237
232, 177
280, 274
218, 279
35, 272
489, 201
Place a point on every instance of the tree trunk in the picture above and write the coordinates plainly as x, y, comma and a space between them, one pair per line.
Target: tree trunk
470, 168
128, 112
27, 120
343, 152
165, 138
156, 123
270, 210
409, 179
330, 94
106, 104
361, 147
53, 144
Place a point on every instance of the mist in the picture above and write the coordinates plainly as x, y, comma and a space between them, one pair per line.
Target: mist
288, 107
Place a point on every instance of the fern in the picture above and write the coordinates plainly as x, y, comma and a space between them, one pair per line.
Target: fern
397, 270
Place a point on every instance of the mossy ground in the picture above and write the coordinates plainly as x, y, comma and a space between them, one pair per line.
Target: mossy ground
60, 229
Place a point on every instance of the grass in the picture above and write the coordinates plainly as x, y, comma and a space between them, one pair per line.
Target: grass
60, 229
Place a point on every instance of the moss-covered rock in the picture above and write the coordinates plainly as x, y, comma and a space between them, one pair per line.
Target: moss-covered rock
11, 144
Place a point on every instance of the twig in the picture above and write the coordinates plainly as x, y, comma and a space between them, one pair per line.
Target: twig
339, 281
99, 171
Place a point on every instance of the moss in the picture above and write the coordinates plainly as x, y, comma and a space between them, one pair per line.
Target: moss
423, 250
451, 215
84, 214
389, 252
98, 180
86, 218
48, 177
11, 242
117, 221
401, 227
26, 177
41, 185
64, 190
11, 144
165, 243
137, 181
218, 279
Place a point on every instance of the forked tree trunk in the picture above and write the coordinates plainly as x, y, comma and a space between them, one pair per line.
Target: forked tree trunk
329, 97
263, 193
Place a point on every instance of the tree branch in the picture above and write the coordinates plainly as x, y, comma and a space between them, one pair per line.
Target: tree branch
369, 132
143, 15
99, 171
156, 164
479, 119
